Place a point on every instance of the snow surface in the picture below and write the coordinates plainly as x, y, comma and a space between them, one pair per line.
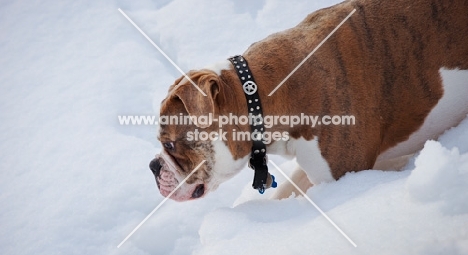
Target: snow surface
73, 181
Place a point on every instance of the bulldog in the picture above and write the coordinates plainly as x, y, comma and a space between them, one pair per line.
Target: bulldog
387, 66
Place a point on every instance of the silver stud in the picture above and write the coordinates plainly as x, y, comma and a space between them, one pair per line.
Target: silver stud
263, 150
244, 65
258, 107
261, 129
235, 62
243, 78
240, 71
256, 100
256, 151
251, 109
238, 66
247, 70
241, 60
248, 76
250, 101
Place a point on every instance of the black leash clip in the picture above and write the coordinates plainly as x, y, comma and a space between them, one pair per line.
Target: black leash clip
260, 167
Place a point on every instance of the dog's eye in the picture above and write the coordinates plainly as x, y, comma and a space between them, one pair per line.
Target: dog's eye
169, 145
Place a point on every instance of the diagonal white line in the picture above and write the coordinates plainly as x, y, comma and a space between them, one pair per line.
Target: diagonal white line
311, 53
161, 51
312, 202
160, 204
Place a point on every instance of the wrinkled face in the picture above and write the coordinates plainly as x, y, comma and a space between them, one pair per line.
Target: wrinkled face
181, 153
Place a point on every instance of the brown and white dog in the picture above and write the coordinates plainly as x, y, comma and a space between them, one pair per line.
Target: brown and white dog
383, 66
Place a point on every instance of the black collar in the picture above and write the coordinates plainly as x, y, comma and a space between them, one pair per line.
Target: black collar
258, 157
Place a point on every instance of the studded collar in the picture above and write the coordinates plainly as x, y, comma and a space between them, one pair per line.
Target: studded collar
258, 157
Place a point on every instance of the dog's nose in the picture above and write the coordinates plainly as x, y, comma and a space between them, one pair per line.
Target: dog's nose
199, 191
155, 167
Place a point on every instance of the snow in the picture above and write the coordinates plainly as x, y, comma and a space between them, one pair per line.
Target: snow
441, 178
73, 181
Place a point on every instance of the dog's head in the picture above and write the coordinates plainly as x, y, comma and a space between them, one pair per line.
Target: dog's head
184, 148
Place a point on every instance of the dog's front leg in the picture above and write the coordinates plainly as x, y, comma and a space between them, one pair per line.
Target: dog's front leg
286, 189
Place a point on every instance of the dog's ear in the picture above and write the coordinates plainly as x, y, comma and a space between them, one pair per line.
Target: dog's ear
194, 101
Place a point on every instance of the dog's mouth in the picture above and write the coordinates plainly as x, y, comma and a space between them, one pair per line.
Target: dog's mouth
168, 183
165, 179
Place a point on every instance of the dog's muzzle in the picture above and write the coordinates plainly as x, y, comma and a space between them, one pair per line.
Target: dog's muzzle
166, 180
